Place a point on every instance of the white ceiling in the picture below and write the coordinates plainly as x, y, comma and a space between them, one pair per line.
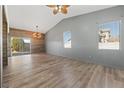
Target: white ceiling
28, 16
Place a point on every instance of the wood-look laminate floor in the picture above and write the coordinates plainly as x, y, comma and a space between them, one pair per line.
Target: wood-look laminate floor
42, 70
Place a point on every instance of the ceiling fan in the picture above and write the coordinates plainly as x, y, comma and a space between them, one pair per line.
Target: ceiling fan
59, 8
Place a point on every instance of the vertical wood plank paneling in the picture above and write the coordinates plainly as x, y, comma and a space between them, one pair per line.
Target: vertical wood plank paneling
37, 45
0, 46
5, 32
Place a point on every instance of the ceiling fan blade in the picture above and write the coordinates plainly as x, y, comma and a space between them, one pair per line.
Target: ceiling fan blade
52, 6
65, 6
64, 10
55, 11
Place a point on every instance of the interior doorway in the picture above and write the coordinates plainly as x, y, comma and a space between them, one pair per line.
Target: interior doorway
20, 46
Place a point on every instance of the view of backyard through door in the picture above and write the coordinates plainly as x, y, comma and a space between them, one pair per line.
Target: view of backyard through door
20, 46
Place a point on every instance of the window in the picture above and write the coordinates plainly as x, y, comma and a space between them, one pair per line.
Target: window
109, 35
67, 39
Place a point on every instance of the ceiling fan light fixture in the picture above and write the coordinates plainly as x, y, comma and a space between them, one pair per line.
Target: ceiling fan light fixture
59, 8
37, 35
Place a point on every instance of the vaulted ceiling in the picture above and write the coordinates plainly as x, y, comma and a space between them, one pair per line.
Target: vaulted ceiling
28, 16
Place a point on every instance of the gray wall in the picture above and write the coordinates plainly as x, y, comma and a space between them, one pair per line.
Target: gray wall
84, 31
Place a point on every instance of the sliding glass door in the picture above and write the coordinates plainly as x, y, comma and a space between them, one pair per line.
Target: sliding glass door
20, 46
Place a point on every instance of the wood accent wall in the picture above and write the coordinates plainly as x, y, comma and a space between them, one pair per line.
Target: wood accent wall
5, 32
37, 45
0, 46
